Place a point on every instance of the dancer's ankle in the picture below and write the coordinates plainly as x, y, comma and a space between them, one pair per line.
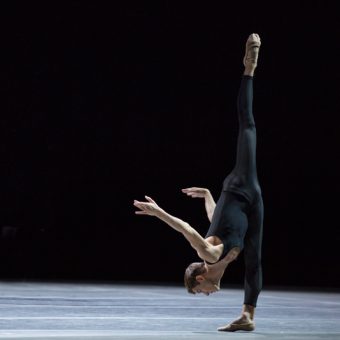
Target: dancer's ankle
248, 311
249, 71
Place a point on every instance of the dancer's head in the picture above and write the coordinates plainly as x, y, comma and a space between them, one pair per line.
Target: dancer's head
195, 280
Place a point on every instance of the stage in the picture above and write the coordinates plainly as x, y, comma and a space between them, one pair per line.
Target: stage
46, 310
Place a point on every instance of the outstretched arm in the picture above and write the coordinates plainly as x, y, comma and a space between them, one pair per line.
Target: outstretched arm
204, 249
203, 193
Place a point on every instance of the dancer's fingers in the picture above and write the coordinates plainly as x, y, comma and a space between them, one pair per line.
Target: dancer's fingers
141, 212
189, 189
189, 193
139, 205
195, 195
195, 192
142, 205
150, 199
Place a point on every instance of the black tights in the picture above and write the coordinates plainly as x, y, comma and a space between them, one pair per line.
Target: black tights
238, 216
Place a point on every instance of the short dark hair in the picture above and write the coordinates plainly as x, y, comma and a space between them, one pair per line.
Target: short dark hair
194, 269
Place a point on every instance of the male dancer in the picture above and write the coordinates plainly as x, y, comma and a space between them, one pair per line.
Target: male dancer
236, 219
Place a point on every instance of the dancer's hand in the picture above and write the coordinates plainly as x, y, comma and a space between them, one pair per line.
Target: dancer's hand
203, 193
147, 208
196, 192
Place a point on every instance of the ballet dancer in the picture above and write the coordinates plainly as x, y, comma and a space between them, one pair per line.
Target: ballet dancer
236, 219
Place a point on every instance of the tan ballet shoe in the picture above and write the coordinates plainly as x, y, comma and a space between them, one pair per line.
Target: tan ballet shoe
252, 50
233, 327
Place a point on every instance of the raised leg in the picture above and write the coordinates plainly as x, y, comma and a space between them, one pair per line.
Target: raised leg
246, 144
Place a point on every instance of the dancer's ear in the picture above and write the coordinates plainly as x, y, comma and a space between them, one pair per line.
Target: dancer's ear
200, 278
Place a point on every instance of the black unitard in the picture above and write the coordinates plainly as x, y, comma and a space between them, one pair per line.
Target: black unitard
238, 216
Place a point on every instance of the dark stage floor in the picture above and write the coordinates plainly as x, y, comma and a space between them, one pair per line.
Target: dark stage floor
108, 311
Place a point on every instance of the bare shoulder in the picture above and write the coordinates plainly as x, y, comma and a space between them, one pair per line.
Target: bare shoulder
211, 252
214, 240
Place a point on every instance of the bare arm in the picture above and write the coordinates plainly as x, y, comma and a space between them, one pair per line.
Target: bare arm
208, 199
204, 249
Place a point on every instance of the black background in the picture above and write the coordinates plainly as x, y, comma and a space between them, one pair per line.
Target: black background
104, 102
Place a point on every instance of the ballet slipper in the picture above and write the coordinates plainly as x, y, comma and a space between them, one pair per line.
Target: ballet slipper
252, 50
232, 327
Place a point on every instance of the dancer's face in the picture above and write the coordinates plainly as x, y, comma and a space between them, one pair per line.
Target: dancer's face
206, 287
